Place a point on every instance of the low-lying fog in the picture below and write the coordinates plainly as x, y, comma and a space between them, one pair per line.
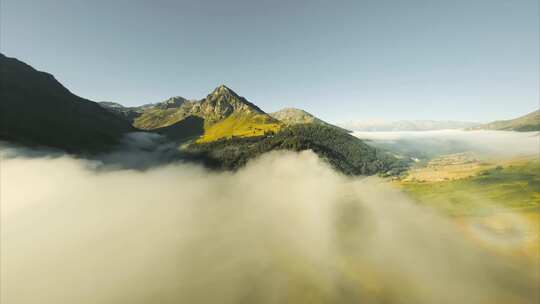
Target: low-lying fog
285, 229
422, 144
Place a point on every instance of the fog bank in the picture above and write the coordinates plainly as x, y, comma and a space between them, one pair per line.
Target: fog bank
431, 143
286, 228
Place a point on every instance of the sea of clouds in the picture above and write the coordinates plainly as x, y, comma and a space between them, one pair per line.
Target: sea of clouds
433, 143
286, 228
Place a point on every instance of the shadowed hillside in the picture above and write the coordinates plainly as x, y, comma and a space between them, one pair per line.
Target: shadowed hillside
37, 110
191, 127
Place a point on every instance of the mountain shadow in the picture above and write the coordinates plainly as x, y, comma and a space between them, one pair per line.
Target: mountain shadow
190, 127
37, 110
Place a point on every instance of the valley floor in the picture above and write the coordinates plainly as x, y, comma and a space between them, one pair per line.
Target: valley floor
493, 201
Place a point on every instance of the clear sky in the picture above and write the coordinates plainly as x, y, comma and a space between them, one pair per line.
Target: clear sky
340, 60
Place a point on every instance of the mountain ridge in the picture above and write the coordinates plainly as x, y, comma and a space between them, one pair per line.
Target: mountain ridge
525, 123
225, 114
36, 109
287, 116
223, 130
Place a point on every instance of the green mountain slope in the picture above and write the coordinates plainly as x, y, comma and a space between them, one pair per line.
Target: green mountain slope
529, 122
241, 125
37, 110
225, 114
226, 131
343, 151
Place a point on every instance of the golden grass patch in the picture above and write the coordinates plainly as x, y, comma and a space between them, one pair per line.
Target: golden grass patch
240, 125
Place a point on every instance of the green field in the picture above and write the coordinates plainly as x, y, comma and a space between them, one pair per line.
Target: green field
494, 204
512, 185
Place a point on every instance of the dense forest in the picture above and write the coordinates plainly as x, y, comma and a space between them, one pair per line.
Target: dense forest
343, 151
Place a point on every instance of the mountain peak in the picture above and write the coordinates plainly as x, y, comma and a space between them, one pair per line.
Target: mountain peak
172, 102
227, 101
223, 90
224, 87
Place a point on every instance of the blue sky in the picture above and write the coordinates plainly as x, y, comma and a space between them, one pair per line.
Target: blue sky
340, 60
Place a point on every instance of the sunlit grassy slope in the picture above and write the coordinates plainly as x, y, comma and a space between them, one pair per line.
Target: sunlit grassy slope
511, 185
240, 125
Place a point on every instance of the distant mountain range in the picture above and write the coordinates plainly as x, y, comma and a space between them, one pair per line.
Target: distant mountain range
406, 125
525, 123
528, 122
223, 130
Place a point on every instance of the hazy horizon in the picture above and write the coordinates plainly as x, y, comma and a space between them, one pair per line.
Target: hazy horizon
464, 61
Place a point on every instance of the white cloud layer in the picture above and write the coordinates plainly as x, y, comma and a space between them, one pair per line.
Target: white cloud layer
490, 143
286, 228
